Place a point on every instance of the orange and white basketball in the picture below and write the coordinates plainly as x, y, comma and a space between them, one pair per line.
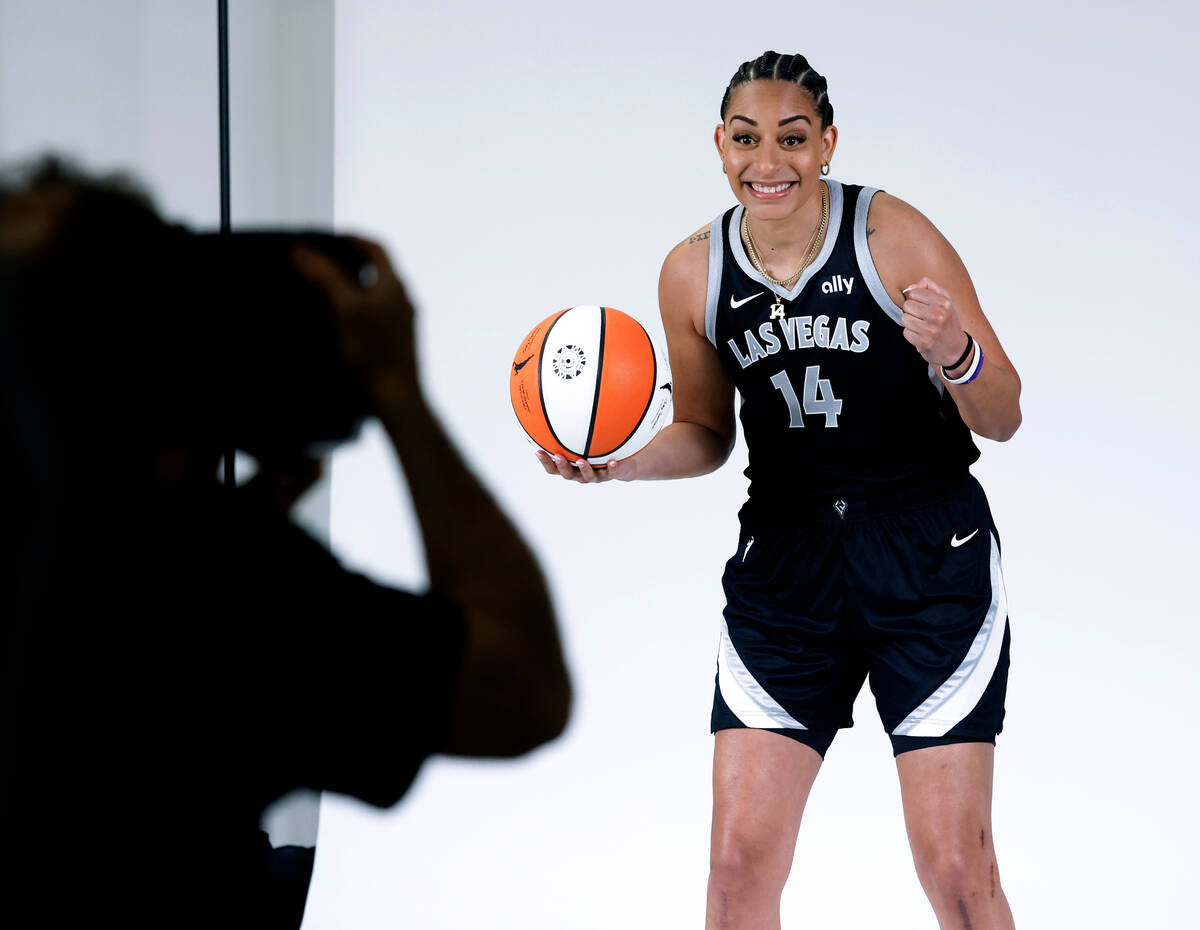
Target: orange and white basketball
590, 383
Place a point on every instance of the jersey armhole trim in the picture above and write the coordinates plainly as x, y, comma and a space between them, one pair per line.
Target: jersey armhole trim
866, 264
716, 261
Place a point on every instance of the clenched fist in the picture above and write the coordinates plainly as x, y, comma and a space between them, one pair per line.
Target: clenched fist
931, 323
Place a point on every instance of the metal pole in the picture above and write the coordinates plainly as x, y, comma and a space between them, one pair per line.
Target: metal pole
223, 111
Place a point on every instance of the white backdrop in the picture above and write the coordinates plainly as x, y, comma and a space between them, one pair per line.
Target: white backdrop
519, 158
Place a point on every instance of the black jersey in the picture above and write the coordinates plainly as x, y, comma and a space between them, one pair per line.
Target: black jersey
835, 401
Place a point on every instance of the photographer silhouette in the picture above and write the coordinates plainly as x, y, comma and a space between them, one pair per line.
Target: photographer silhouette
145, 604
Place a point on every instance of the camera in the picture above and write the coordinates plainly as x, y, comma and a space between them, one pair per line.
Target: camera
281, 382
122, 331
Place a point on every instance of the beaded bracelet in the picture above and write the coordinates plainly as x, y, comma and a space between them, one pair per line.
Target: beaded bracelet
972, 372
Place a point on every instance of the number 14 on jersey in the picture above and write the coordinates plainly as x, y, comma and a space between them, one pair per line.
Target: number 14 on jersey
818, 397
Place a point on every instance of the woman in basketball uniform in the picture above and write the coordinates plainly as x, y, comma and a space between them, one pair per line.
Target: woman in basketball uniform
852, 331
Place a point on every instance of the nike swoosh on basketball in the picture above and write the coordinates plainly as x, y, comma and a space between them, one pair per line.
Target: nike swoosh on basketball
955, 542
737, 303
517, 366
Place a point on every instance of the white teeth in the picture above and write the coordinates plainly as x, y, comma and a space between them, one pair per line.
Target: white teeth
771, 188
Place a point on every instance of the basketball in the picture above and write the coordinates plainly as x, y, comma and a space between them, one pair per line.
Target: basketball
589, 383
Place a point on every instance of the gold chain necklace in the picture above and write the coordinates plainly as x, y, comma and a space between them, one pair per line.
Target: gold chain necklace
759, 265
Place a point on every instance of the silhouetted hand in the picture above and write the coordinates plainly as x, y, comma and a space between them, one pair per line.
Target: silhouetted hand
375, 320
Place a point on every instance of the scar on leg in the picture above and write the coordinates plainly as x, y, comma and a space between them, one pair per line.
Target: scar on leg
981, 839
724, 909
962, 910
992, 871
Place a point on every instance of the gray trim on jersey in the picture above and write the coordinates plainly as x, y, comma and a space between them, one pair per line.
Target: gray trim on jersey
831, 235
958, 695
866, 264
716, 262
743, 694
937, 382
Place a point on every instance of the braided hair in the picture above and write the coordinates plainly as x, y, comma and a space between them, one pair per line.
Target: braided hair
771, 66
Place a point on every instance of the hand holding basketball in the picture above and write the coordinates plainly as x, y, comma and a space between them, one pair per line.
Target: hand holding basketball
931, 323
582, 472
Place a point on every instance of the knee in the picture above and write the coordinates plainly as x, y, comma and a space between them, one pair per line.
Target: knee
958, 872
749, 863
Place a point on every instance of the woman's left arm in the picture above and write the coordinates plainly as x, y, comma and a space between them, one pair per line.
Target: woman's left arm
926, 278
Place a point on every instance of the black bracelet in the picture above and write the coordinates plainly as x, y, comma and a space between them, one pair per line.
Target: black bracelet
966, 353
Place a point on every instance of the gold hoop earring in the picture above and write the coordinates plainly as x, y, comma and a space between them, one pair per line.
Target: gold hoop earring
825, 168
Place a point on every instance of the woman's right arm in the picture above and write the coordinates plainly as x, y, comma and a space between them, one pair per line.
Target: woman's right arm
701, 436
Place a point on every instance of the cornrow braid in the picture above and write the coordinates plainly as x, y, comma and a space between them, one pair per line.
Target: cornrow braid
771, 66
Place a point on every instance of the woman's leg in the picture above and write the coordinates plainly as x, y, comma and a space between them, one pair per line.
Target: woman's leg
761, 782
947, 792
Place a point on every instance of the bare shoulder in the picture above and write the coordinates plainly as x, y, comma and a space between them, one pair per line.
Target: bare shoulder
683, 284
690, 255
904, 244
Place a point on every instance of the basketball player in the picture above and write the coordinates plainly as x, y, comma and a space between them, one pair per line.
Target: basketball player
852, 331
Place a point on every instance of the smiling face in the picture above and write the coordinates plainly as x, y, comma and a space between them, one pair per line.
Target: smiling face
773, 147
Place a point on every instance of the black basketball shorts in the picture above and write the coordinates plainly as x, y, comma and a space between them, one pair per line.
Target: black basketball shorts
911, 596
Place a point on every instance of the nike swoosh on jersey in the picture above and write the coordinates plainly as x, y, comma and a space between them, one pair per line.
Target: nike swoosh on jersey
517, 366
737, 303
955, 542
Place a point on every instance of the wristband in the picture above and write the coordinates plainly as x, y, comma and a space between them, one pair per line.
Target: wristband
966, 352
972, 372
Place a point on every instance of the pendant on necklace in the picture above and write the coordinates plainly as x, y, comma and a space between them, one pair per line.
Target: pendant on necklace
777, 309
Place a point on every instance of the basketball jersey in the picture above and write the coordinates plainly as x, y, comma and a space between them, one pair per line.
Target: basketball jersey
835, 401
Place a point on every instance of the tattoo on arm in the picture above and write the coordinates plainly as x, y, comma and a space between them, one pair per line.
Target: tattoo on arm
699, 237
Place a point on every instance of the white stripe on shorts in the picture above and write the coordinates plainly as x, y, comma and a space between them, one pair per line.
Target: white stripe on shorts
748, 699
959, 693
